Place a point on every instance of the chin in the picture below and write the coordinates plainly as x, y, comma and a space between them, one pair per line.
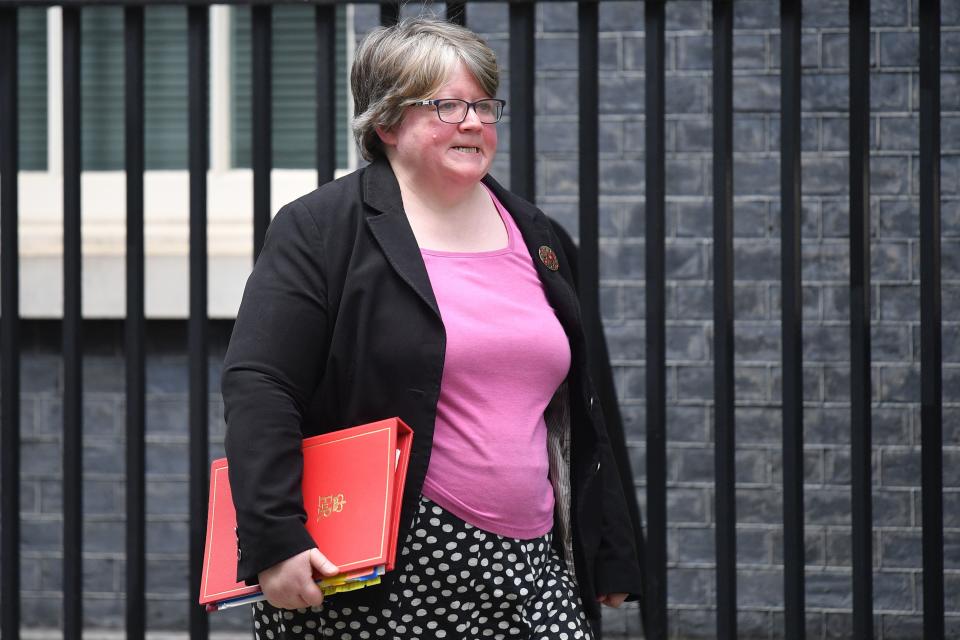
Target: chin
465, 177
467, 174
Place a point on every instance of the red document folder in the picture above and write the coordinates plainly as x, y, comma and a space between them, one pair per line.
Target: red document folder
352, 489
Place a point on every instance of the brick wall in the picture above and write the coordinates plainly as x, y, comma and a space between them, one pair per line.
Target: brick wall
167, 459
895, 318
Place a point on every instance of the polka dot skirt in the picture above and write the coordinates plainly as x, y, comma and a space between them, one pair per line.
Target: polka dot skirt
454, 581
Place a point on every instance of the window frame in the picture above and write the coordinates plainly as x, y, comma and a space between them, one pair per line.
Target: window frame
166, 207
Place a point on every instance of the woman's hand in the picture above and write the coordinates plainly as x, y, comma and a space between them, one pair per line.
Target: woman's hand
290, 584
612, 600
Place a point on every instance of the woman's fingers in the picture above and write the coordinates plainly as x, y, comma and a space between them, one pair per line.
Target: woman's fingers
289, 600
321, 564
612, 600
289, 584
310, 594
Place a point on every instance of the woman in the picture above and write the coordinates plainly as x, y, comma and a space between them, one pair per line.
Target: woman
419, 287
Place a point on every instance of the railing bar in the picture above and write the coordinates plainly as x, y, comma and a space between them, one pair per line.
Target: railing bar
931, 363
589, 158
655, 110
325, 20
791, 322
135, 326
521, 107
198, 64
9, 329
587, 258
262, 36
457, 12
72, 336
860, 379
723, 371
588, 269
389, 12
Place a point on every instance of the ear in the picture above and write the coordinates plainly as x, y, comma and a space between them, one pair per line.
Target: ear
387, 136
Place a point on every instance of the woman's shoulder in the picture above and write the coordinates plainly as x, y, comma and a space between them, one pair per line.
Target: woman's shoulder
323, 218
333, 203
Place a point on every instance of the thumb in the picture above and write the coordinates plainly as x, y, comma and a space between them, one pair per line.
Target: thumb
320, 563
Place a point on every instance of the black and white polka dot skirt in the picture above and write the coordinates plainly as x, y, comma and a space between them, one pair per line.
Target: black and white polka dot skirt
453, 581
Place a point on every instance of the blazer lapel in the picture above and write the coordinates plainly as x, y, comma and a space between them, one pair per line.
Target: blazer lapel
536, 231
392, 231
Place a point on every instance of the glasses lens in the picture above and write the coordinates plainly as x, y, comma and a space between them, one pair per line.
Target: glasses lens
452, 111
488, 110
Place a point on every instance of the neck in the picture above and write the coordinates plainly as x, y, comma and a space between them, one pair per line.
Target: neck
453, 197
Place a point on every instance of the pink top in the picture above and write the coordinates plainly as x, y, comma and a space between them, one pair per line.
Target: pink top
506, 355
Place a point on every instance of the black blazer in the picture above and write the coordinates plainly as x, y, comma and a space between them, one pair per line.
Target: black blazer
339, 326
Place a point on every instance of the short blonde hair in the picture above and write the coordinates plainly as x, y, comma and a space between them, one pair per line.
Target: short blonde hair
407, 62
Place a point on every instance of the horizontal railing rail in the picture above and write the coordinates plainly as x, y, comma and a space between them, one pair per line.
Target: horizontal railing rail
206, 3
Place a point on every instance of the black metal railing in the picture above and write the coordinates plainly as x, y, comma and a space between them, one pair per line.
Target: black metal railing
9, 332
522, 164
723, 371
656, 301
931, 354
791, 323
135, 324
860, 392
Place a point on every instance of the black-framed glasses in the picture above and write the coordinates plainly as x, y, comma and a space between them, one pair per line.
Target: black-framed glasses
454, 110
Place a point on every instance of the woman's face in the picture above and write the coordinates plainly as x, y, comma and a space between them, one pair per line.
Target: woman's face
438, 154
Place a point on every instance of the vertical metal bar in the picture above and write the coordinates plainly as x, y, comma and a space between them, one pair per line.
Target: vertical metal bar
9, 330
457, 12
655, 109
72, 335
522, 81
723, 373
791, 323
588, 269
860, 390
326, 17
931, 365
134, 325
589, 130
262, 34
389, 12
198, 65
588, 263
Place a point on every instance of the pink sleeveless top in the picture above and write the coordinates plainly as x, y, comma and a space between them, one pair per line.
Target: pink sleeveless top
506, 355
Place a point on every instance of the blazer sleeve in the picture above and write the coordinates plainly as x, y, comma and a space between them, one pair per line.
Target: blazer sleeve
618, 548
273, 364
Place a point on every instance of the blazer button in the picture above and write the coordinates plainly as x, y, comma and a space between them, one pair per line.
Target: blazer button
597, 468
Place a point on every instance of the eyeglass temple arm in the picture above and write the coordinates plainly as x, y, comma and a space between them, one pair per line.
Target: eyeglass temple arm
425, 103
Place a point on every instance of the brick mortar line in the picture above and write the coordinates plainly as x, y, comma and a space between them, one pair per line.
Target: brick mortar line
109, 518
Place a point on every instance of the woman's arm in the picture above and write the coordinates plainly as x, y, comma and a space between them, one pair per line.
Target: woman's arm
272, 366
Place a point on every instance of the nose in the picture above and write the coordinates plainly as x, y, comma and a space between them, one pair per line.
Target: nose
472, 120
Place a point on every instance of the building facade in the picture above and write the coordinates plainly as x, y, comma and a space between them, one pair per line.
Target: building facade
620, 102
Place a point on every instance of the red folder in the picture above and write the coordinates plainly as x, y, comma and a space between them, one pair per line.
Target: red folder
353, 483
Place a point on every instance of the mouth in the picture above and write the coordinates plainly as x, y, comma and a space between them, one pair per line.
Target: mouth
467, 149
